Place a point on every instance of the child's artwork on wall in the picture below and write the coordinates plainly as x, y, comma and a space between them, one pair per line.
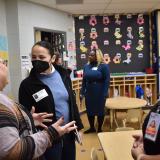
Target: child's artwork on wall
123, 39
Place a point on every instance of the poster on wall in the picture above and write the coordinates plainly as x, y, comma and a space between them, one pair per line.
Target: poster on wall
25, 62
71, 54
4, 56
124, 39
4, 49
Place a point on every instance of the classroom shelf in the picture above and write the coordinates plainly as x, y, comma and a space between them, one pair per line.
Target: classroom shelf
125, 84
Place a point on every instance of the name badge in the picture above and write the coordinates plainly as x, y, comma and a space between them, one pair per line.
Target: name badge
40, 95
152, 126
94, 68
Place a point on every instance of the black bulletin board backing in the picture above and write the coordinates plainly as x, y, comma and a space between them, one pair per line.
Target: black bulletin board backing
139, 59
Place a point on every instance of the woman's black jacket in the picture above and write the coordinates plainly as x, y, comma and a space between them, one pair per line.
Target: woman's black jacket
32, 85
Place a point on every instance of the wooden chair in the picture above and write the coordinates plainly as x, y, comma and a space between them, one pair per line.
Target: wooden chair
94, 155
134, 116
124, 128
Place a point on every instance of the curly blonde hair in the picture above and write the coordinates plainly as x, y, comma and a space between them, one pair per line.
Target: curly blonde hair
99, 56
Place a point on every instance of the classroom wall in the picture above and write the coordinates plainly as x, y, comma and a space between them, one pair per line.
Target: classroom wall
13, 45
2, 18
21, 17
3, 38
33, 15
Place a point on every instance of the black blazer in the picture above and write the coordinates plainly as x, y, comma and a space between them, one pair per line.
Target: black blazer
32, 85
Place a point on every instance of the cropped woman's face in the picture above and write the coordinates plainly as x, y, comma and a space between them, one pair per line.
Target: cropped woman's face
3, 76
42, 59
92, 56
40, 53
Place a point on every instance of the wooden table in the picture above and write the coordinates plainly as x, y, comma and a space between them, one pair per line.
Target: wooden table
122, 103
117, 145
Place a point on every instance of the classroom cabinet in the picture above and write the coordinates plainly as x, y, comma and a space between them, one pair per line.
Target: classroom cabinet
76, 86
126, 86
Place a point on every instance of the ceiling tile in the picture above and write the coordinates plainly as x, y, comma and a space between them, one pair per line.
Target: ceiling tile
96, 1
136, 1
157, 6
82, 7
104, 6
121, 11
50, 3
130, 5
69, 1
87, 12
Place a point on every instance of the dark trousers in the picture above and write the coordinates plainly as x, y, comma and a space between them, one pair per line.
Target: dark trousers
64, 150
91, 121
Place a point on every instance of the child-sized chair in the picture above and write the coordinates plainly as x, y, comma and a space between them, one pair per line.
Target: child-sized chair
94, 155
124, 128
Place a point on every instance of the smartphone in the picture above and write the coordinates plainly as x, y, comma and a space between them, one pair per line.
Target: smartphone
77, 136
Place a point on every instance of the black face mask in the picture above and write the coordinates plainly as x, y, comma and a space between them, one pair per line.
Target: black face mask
40, 66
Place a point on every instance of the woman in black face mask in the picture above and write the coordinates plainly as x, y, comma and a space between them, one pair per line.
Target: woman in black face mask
42, 58
49, 89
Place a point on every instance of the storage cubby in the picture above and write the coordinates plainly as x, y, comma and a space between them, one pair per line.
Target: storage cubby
124, 86
76, 86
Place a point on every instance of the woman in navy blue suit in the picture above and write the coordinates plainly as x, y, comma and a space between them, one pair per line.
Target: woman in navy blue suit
96, 78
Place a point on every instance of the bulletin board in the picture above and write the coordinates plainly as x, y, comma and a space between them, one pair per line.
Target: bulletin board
123, 39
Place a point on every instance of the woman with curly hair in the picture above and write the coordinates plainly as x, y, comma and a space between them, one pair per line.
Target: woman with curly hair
96, 78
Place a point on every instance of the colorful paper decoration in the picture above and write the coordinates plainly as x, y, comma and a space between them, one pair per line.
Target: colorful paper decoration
129, 34
141, 32
93, 33
118, 42
117, 58
94, 45
117, 33
128, 45
140, 55
106, 20
129, 16
140, 45
82, 47
106, 42
71, 46
117, 21
92, 20
128, 60
140, 19
81, 31
83, 56
106, 29
107, 58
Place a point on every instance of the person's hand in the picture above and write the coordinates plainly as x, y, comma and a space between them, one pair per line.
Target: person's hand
138, 140
64, 129
136, 152
39, 118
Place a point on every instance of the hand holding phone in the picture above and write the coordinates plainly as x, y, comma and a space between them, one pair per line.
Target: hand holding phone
77, 136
